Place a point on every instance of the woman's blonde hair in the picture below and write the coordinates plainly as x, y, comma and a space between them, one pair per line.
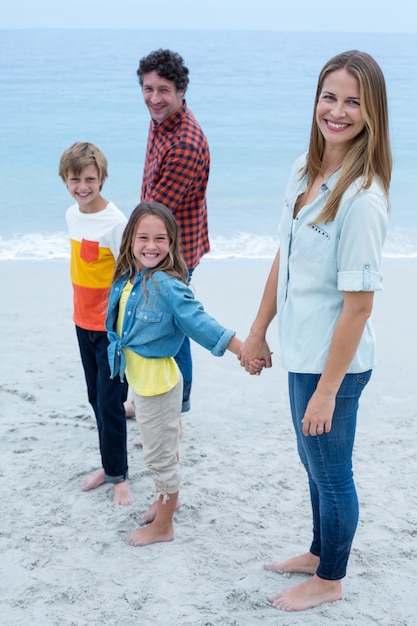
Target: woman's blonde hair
173, 264
369, 156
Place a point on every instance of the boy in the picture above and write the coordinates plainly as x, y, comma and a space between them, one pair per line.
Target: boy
95, 228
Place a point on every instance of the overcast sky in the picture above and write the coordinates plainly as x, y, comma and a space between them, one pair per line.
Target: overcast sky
314, 15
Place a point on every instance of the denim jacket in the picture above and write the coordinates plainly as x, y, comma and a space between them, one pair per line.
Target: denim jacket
155, 326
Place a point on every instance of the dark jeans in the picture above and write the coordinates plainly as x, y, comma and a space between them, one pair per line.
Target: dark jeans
327, 459
185, 363
106, 396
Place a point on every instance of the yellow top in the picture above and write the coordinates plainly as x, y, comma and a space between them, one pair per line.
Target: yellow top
147, 377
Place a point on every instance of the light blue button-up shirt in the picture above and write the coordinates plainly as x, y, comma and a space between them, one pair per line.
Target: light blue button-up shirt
319, 262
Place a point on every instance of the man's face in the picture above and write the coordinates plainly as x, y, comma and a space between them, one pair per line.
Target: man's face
161, 96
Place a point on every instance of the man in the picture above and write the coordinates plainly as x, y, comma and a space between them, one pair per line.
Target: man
176, 167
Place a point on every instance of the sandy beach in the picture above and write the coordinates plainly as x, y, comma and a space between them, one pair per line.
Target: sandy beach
64, 560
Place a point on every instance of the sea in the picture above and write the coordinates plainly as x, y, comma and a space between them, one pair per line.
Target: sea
251, 91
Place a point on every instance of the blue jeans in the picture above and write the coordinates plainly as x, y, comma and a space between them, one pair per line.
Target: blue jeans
327, 459
185, 363
106, 396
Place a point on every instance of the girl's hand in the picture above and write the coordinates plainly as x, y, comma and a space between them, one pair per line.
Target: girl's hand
256, 366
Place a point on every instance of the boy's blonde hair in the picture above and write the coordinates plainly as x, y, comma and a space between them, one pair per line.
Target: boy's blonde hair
80, 155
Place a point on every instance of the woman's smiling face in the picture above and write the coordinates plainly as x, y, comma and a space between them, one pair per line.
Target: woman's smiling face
338, 112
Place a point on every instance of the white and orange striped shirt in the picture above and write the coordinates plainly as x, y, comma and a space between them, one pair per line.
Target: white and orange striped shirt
95, 242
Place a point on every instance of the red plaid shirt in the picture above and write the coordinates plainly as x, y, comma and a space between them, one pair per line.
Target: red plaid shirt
176, 173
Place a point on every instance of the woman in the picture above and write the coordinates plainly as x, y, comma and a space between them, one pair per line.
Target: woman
321, 285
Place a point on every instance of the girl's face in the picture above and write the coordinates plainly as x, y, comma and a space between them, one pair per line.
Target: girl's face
338, 112
151, 243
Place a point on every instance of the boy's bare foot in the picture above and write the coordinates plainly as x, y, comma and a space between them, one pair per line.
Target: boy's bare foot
304, 564
122, 494
148, 535
311, 593
93, 481
149, 515
129, 409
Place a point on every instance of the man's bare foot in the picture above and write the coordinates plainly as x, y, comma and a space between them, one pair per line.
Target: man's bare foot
148, 535
129, 409
122, 494
93, 481
311, 593
304, 564
149, 515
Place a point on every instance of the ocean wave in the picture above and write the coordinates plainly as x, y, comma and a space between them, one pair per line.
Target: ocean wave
400, 244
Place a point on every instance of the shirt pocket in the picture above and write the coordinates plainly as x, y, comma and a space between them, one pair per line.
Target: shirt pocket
314, 243
149, 323
89, 250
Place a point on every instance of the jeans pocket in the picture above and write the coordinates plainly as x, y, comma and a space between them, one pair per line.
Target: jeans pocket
363, 378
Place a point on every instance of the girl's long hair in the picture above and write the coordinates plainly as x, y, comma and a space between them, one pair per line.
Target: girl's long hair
173, 264
369, 156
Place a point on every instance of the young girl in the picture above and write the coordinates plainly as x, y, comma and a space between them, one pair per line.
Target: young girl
151, 309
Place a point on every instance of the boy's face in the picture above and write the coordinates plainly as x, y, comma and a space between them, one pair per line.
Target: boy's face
85, 189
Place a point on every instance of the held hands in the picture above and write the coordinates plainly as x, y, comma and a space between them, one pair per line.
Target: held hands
254, 354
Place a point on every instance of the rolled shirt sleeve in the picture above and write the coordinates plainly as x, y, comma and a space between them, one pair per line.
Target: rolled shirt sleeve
361, 241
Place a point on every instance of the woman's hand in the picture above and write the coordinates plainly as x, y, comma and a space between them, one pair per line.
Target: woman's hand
319, 414
254, 354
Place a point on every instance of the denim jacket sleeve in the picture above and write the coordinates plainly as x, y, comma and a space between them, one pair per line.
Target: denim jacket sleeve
192, 319
155, 324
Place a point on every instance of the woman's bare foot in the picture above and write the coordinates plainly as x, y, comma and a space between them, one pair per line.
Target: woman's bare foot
304, 564
93, 481
122, 494
149, 515
311, 593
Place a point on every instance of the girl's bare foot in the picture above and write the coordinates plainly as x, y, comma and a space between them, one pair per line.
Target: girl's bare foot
122, 494
311, 593
304, 564
149, 515
148, 535
161, 529
93, 481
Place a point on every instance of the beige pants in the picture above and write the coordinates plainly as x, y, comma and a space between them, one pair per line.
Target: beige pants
158, 418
